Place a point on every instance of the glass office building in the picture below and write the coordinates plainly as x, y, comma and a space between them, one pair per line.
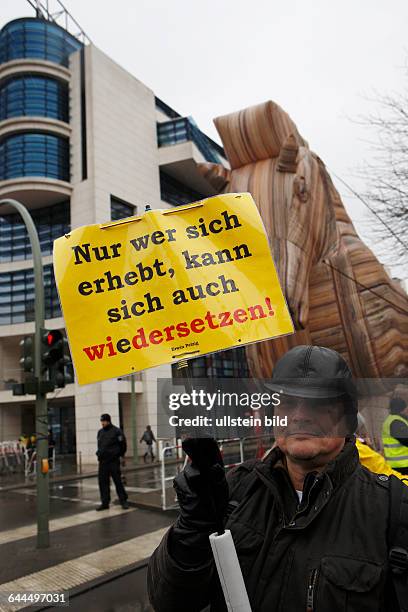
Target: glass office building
33, 38
35, 169
82, 141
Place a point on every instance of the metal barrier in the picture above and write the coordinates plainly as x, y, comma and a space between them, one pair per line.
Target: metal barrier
231, 441
260, 452
30, 462
11, 456
163, 453
242, 446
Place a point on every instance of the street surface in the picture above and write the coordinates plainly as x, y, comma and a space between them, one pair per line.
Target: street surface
87, 547
99, 558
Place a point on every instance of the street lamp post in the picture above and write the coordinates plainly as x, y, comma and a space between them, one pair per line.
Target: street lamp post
41, 416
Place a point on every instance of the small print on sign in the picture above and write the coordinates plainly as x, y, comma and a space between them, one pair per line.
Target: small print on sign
169, 285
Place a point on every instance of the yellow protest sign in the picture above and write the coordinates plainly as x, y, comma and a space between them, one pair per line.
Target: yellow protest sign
168, 285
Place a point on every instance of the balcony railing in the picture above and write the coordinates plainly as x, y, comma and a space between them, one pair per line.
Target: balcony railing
185, 130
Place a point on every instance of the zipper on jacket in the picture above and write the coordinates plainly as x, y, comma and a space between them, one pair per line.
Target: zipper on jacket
311, 587
302, 508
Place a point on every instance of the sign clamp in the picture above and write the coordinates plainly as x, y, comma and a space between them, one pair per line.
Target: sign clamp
148, 209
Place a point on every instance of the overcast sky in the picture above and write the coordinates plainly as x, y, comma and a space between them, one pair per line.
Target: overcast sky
319, 60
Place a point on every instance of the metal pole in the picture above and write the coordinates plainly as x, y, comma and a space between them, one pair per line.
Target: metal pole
133, 417
41, 415
163, 476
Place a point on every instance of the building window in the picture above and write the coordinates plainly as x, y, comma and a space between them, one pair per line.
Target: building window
224, 364
34, 154
36, 39
34, 96
185, 129
121, 209
174, 192
51, 223
17, 301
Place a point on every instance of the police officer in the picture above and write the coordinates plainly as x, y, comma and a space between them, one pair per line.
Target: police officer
395, 436
111, 446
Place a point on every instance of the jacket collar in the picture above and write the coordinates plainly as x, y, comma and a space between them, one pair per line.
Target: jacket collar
317, 488
338, 470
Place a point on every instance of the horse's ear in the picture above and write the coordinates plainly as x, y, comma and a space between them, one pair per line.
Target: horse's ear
288, 155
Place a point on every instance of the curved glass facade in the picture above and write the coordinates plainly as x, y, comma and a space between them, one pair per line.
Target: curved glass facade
51, 223
17, 296
36, 39
34, 154
34, 96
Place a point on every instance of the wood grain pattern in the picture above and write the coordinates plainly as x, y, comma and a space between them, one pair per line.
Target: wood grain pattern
334, 285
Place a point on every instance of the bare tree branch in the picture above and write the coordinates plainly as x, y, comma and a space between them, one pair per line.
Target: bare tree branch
387, 176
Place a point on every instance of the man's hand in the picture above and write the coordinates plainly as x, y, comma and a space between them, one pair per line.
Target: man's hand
206, 480
203, 499
202, 496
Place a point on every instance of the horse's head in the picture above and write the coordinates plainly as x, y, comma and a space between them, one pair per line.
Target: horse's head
290, 186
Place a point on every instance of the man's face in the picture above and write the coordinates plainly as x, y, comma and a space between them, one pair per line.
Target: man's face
104, 423
315, 428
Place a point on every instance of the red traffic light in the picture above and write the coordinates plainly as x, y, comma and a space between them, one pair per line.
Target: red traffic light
52, 347
51, 338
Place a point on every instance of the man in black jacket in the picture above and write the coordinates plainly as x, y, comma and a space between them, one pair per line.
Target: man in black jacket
309, 523
111, 447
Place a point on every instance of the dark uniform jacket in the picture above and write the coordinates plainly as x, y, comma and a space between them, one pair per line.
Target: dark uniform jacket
399, 431
111, 443
326, 554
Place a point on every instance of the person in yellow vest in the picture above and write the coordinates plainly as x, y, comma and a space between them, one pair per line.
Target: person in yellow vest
395, 436
369, 457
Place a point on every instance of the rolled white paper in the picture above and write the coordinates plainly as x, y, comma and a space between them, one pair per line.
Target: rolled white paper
229, 571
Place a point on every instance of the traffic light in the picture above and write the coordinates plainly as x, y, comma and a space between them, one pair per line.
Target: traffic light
28, 384
56, 358
27, 352
64, 372
51, 348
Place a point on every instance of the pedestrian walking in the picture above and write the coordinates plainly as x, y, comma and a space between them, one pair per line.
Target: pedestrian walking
313, 529
148, 438
111, 447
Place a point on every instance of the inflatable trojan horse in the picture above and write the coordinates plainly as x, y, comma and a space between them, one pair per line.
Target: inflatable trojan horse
338, 293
